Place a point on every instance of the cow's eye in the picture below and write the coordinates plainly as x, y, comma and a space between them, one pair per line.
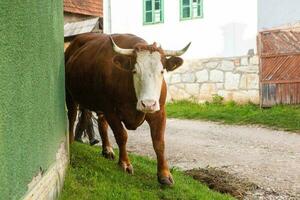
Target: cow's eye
134, 71
162, 72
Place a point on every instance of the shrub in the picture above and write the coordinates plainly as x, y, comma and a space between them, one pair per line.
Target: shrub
217, 99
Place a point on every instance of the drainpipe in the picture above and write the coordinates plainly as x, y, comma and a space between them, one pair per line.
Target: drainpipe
107, 16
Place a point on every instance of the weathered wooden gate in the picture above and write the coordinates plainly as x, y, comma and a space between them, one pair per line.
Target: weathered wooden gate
279, 52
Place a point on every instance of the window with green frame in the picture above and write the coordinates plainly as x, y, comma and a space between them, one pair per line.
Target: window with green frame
191, 9
153, 11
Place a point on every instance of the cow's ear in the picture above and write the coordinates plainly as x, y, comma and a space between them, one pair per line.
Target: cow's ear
173, 63
122, 62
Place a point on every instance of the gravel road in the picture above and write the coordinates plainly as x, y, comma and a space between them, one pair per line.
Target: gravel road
268, 158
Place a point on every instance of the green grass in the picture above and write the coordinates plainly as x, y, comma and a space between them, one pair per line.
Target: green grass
278, 117
90, 176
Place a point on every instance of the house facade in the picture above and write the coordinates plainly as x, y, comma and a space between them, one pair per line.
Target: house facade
222, 58
215, 28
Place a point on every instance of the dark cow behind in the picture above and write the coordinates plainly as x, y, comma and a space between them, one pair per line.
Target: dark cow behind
121, 77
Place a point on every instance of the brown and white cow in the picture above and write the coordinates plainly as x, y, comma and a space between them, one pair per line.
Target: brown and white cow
121, 77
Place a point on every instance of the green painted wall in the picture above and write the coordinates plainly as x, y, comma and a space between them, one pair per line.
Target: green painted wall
32, 108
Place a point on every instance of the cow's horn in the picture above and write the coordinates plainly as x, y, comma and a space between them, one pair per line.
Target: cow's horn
119, 50
177, 53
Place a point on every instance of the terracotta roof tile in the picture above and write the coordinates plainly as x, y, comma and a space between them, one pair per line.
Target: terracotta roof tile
85, 7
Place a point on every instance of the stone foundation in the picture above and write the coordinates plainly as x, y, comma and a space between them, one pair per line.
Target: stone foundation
47, 186
232, 78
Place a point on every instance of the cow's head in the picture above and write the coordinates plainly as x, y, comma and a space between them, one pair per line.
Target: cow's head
150, 64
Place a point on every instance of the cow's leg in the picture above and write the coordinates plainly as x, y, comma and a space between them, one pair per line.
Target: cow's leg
107, 150
72, 113
121, 139
157, 123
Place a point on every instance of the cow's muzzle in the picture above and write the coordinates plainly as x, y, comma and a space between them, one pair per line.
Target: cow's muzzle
148, 106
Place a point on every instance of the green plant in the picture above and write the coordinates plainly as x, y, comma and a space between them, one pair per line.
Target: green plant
217, 99
279, 117
230, 103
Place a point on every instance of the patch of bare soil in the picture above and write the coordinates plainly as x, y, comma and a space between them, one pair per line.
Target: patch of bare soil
222, 181
239, 188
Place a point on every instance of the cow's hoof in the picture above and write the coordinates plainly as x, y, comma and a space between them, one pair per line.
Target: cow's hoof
108, 153
127, 168
166, 180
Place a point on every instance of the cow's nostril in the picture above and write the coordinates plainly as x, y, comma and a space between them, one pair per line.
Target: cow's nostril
148, 103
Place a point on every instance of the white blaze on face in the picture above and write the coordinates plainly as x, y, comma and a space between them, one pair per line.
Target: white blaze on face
148, 79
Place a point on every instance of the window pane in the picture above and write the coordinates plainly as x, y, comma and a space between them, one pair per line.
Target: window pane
148, 16
186, 2
148, 5
157, 5
186, 12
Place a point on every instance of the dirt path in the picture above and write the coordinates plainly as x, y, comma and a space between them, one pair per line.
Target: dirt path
268, 158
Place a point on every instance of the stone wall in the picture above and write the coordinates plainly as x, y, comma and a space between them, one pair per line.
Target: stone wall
232, 78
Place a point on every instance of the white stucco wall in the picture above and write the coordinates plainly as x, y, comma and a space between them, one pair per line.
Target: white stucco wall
275, 13
227, 29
